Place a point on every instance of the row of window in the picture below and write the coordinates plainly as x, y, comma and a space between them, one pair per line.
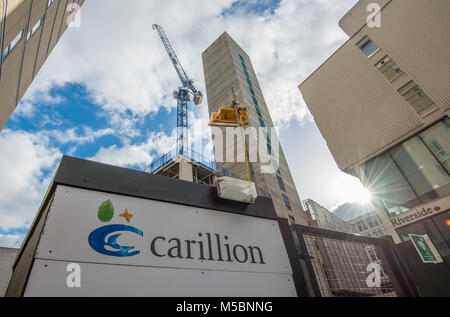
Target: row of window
412, 173
367, 224
269, 143
412, 93
10, 47
255, 102
379, 233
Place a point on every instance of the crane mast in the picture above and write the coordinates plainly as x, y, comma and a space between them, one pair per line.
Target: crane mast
186, 89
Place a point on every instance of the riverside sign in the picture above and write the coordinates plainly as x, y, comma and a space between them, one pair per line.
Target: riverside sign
421, 213
139, 247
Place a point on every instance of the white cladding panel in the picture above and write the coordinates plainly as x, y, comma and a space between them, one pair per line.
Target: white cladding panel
135, 281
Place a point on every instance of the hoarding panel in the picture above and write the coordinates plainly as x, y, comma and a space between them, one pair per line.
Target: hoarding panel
48, 278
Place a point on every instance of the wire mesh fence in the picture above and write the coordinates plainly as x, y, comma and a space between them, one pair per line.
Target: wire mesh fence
339, 264
348, 268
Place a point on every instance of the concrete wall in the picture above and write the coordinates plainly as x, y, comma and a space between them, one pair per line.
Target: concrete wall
20, 67
7, 258
359, 112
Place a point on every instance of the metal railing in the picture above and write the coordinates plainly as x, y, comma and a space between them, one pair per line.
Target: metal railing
191, 155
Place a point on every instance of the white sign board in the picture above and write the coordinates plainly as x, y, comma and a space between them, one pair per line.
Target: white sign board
126, 246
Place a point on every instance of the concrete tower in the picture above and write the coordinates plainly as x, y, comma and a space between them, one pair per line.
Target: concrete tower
29, 30
227, 66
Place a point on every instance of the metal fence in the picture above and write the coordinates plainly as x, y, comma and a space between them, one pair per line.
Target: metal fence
339, 264
170, 156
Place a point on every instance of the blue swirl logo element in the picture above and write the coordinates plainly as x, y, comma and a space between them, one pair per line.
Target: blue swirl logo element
98, 241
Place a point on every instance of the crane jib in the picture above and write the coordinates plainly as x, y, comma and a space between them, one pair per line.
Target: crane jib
182, 95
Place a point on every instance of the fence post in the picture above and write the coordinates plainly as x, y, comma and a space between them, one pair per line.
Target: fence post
305, 259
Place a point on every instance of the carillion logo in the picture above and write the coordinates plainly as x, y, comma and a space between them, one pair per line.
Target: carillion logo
205, 247
104, 239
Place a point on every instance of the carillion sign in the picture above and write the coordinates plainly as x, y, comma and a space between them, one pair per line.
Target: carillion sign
131, 246
206, 247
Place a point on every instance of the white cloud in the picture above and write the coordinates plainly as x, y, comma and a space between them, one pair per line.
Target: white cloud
139, 154
24, 159
123, 63
11, 240
71, 136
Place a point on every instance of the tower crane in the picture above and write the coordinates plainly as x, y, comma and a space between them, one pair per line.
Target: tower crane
182, 95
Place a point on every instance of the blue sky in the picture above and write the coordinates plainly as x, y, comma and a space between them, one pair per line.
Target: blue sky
75, 116
105, 93
256, 7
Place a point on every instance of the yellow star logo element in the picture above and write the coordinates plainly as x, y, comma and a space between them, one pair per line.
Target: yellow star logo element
126, 215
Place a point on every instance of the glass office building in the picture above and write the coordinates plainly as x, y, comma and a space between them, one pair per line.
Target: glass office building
415, 174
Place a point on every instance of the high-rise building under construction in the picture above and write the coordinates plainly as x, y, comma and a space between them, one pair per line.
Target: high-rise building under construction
227, 67
29, 30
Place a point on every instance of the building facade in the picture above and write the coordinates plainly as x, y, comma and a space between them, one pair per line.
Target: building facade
227, 66
369, 225
29, 30
7, 258
382, 103
320, 217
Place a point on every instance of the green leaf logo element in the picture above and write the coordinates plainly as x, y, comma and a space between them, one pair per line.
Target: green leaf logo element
106, 211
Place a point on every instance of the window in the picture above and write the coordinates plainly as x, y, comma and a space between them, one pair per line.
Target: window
412, 173
255, 101
387, 184
389, 69
34, 29
287, 202
415, 96
420, 169
375, 221
276, 167
268, 140
437, 139
258, 111
367, 46
281, 183
8, 49
262, 122
16, 40
36, 26
5, 52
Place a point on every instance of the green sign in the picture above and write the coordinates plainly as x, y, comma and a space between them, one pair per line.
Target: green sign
425, 248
